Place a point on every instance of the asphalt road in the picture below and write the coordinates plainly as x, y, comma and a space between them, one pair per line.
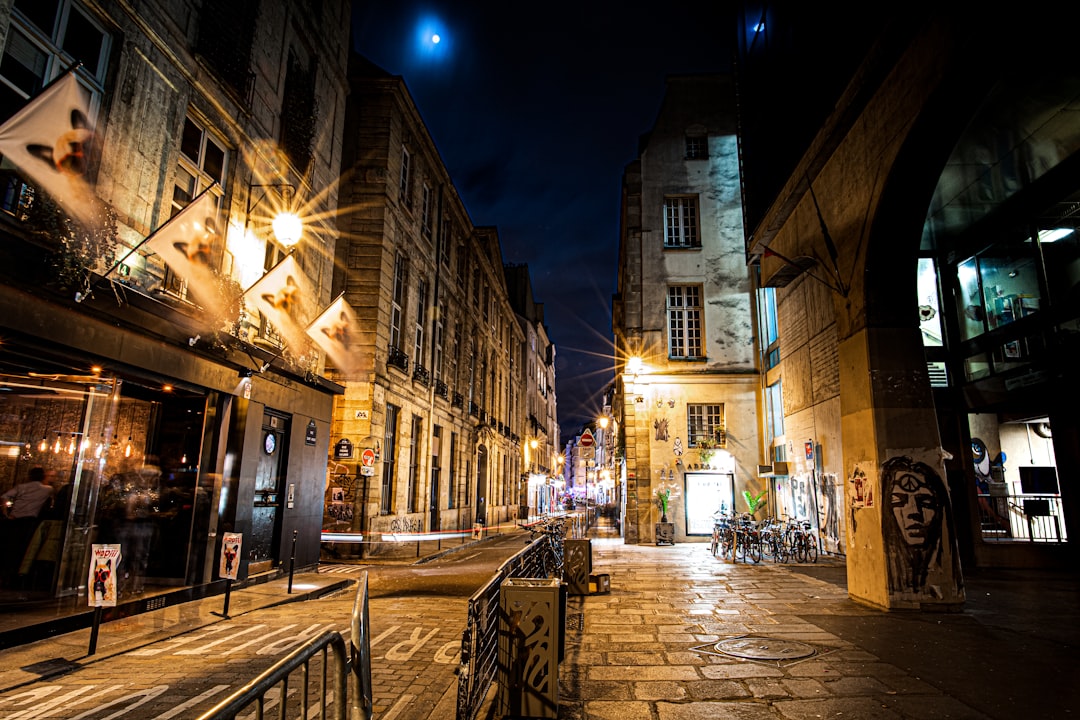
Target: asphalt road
417, 615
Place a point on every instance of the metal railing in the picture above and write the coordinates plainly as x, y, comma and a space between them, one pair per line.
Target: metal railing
1030, 517
342, 678
479, 640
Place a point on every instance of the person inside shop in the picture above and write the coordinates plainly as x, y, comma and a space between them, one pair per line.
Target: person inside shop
22, 505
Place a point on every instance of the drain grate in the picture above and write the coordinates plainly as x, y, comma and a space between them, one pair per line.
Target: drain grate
575, 621
763, 648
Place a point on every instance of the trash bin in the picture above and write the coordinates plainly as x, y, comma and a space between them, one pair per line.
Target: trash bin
531, 620
577, 565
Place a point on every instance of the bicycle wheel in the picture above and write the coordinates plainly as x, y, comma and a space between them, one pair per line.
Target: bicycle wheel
714, 544
798, 548
727, 545
811, 548
753, 548
779, 549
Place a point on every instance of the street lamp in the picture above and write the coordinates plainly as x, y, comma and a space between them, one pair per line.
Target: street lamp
286, 224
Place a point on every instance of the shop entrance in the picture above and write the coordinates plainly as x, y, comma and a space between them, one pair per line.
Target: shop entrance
269, 484
707, 494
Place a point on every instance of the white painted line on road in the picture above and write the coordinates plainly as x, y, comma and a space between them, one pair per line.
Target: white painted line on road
470, 556
415, 642
384, 634
146, 695
34, 695
173, 643
396, 709
205, 648
259, 640
193, 702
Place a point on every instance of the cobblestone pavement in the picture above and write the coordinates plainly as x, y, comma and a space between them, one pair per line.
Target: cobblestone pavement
649, 649
681, 636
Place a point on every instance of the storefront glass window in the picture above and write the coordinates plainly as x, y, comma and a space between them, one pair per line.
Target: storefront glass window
972, 315
1010, 287
929, 307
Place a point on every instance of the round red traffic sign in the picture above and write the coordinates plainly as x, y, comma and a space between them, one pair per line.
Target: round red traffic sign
586, 439
368, 457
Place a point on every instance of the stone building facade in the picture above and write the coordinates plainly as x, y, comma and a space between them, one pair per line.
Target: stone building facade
920, 253
685, 403
435, 391
542, 478
168, 412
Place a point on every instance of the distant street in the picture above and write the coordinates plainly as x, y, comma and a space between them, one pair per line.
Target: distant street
417, 615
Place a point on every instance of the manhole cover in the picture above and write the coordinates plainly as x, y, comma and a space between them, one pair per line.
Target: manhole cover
762, 648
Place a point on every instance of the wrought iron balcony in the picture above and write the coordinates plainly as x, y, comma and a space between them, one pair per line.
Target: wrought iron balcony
458, 401
441, 389
421, 375
398, 359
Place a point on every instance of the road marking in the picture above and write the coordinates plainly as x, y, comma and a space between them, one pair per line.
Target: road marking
394, 711
260, 639
470, 556
205, 648
193, 702
33, 695
384, 634
415, 642
146, 695
172, 644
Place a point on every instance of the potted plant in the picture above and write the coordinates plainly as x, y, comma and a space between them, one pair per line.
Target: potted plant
665, 491
706, 447
753, 504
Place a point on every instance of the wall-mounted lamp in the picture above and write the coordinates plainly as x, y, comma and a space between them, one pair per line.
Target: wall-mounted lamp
287, 225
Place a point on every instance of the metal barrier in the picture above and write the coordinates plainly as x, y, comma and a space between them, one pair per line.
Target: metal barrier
479, 640
1030, 517
348, 670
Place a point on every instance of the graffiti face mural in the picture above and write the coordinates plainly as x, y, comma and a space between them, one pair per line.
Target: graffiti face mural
919, 532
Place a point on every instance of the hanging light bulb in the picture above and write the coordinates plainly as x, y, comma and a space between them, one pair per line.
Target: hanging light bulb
127, 450
71, 445
84, 444
183, 459
44, 444
56, 446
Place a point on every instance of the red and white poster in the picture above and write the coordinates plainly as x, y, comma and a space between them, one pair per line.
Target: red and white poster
104, 562
230, 555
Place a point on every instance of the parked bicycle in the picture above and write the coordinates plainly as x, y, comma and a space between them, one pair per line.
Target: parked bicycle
551, 554
801, 541
773, 540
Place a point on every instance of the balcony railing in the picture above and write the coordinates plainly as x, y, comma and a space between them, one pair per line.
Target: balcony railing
1028, 517
421, 375
441, 389
458, 401
397, 358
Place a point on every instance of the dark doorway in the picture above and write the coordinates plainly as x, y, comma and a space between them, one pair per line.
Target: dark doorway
266, 503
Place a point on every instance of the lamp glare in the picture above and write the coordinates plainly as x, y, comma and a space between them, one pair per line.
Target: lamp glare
287, 228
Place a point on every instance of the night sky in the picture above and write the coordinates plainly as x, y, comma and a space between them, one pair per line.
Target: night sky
536, 109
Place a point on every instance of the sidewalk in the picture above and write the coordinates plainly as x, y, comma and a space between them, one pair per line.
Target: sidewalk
683, 635
56, 655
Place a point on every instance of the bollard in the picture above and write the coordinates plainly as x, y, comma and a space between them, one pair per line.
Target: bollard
292, 560
531, 640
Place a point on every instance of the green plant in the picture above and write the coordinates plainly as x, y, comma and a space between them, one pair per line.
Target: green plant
663, 493
754, 503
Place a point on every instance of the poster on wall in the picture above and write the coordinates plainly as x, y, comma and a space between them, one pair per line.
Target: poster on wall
230, 554
862, 487
104, 566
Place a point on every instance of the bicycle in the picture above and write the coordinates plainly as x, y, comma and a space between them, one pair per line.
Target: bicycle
772, 538
551, 552
748, 539
801, 541
723, 540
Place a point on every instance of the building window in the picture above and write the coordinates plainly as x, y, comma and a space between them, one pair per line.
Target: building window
226, 35
451, 476
697, 147
437, 362
769, 328
41, 39
421, 321
929, 305
426, 212
405, 182
444, 244
705, 423
684, 322
681, 222
201, 164
401, 276
386, 497
299, 112
413, 495
774, 410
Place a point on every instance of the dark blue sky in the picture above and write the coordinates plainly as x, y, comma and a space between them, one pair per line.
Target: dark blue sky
536, 109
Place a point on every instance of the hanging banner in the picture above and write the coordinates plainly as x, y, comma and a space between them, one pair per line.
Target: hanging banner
284, 298
104, 561
336, 331
230, 555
